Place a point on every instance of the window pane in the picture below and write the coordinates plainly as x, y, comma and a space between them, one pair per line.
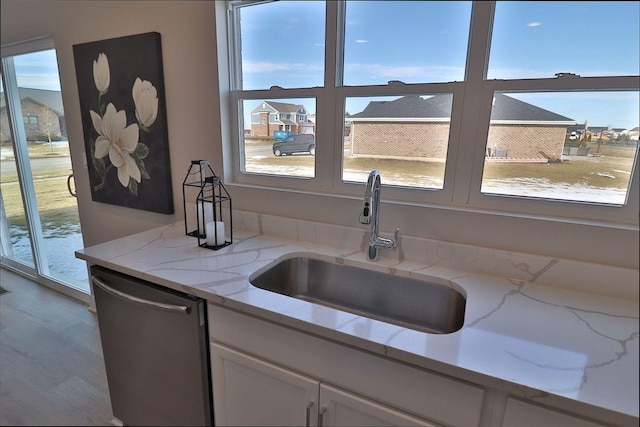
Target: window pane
411, 41
405, 138
533, 39
282, 44
57, 234
563, 146
279, 136
15, 240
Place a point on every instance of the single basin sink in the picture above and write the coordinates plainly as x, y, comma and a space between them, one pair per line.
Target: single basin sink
411, 303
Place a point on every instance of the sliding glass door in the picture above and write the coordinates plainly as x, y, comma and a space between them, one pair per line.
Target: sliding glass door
39, 223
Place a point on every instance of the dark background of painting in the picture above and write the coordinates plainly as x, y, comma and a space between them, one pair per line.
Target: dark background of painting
129, 57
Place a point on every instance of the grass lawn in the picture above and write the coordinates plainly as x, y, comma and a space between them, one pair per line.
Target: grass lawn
58, 209
610, 168
600, 172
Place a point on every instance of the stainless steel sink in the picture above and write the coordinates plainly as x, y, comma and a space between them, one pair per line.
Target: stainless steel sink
411, 303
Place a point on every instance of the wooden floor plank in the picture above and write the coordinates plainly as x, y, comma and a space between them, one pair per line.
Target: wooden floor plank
51, 367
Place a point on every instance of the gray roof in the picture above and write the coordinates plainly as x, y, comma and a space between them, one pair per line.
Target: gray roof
52, 98
411, 106
284, 107
507, 108
597, 129
439, 106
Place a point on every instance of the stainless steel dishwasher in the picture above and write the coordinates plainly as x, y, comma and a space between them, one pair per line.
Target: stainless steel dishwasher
156, 352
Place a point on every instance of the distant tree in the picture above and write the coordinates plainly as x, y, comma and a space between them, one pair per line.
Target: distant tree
623, 137
46, 123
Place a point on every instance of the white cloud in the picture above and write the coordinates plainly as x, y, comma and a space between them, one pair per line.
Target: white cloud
410, 72
361, 41
534, 24
269, 67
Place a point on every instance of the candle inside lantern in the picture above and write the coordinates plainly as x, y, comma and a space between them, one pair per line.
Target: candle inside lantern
208, 215
215, 233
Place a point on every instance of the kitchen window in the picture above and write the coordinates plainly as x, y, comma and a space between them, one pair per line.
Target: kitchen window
504, 106
265, 126
531, 152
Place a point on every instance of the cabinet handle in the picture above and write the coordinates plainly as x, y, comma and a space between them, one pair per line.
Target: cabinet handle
158, 305
309, 406
321, 416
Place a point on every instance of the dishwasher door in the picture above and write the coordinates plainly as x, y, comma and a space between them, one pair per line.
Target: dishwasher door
156, 353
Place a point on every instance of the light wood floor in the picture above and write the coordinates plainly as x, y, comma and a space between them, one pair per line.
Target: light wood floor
51, 367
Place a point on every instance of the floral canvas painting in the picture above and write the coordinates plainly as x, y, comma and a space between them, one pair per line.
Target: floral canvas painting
121, 90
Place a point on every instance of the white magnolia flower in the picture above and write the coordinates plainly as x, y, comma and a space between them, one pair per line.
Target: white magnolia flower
101, 75
118, 141
145, 96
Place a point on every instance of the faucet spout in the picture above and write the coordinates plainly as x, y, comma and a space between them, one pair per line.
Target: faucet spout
370, 215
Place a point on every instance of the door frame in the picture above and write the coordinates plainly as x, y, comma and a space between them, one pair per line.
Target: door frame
39, 272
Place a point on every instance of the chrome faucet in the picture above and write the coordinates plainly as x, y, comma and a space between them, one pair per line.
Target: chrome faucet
369, 215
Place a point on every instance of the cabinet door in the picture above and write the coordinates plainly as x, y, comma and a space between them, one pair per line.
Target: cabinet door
339, 408
249, 392
523, 414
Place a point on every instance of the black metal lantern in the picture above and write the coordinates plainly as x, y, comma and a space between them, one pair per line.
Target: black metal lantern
207, 207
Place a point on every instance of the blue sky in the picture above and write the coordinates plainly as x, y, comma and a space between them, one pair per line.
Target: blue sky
586, 38
429, 43
283, 44
38, 70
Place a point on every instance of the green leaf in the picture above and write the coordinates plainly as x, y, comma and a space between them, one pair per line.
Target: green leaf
133, 186
103, 178
98, 164
144, 174
142, 151
143, 170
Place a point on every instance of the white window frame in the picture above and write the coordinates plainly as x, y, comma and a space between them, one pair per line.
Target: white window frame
469, 123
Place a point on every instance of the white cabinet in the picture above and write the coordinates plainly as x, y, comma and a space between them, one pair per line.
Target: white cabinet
340, 408
250, 391
523, 414
395, 388
266, 374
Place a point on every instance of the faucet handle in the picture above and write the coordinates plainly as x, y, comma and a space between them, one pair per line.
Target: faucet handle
365, 213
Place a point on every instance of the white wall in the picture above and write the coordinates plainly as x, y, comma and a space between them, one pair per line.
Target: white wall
191, 87
195, 132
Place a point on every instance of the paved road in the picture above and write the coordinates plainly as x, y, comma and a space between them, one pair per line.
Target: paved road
39, 164
258, 151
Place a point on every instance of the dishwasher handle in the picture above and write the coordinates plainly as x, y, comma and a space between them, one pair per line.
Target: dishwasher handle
158, 305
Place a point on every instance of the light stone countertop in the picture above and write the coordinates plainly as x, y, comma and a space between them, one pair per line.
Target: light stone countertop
524, 332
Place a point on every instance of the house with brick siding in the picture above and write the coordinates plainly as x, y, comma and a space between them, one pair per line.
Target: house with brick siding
270, 116
42, 111
415, 127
